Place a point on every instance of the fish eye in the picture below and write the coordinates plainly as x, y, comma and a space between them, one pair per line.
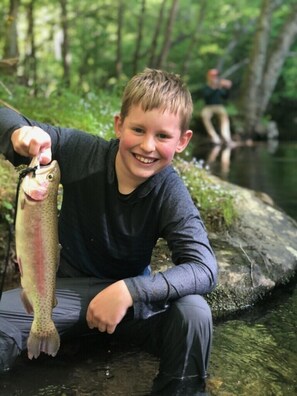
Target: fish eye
50, 177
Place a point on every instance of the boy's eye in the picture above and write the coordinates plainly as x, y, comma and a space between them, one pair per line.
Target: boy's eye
138, 130
163, 136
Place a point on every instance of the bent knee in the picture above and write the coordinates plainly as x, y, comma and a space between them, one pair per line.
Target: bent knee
193, 306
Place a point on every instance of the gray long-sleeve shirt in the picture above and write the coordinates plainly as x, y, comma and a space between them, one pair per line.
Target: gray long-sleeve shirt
109, 235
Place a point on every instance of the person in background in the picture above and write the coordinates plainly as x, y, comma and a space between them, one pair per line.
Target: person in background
215, 93
120, 197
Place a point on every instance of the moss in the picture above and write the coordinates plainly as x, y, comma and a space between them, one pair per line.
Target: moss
215, 202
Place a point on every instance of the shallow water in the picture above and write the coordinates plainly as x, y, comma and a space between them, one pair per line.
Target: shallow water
256, 354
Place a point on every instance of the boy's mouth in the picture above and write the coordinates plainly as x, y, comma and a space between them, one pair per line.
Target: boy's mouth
144, 160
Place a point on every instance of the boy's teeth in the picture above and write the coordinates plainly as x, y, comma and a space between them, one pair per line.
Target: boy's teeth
145, 160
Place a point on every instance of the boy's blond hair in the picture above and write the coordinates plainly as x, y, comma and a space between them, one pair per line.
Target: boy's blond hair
157, 89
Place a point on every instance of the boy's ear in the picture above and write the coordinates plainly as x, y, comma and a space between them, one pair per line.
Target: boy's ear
184, 141
117, 125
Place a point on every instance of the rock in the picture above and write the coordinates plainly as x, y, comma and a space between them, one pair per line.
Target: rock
257, 254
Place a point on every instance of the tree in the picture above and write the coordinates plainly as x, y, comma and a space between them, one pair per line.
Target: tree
277, 58
11, 49
30, 61
120, 20
152, 58
65, 43
195, 37
139, 37
167, 35
265, 65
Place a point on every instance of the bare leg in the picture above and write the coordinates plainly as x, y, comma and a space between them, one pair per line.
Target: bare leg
206, 115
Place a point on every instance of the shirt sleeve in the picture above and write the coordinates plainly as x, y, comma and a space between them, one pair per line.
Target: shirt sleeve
10, 120
194, 269
68, 145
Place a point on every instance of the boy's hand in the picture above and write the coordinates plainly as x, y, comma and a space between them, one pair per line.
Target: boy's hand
32, 141
108, 308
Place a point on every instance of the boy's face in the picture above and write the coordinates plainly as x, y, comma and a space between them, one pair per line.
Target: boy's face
148, 142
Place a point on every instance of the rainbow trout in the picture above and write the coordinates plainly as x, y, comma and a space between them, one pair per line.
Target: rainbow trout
38, 250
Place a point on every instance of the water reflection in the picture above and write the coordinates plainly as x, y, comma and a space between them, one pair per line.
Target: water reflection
223, 155
257, 354
268, 167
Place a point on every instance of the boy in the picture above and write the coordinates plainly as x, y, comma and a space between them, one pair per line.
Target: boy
119, 197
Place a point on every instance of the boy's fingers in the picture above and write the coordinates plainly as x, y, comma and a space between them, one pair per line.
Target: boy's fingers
45, 156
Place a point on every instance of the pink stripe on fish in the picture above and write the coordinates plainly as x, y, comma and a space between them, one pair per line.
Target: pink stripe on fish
39, 259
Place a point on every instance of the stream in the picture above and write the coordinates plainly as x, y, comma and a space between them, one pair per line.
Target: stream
254, 354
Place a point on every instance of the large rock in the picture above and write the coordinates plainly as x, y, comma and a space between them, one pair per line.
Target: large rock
258, 253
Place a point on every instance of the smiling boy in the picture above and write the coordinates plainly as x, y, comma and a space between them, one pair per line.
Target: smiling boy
119, 198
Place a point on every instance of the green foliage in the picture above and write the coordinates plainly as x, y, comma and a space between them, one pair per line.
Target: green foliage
92, 112
8, 182
215, 202
223, 37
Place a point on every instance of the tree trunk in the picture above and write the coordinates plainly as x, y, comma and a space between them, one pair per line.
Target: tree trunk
253, 78
153, 49
119, 63
11, 50
139, 37
65, 43
277, 59
30, 63
167, 35
195, 37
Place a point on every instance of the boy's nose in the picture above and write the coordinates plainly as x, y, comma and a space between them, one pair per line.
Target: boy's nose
148, 144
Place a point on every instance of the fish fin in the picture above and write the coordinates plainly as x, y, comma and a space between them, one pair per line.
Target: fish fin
48, 341
26, 302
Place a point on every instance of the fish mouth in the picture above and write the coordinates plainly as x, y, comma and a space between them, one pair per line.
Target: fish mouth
29, 198
36, 198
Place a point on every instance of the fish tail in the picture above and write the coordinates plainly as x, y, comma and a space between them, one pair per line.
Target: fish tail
47, 341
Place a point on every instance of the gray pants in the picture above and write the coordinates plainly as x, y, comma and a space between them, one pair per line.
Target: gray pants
180, 336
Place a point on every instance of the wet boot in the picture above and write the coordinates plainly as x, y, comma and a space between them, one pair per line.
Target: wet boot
185, 387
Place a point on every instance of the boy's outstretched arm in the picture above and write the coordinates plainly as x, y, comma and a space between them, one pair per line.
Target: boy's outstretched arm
21, 137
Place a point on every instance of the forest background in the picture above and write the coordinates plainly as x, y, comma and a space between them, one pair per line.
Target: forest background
69, 56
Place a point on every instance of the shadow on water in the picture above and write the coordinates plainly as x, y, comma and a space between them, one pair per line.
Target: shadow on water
253, 355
